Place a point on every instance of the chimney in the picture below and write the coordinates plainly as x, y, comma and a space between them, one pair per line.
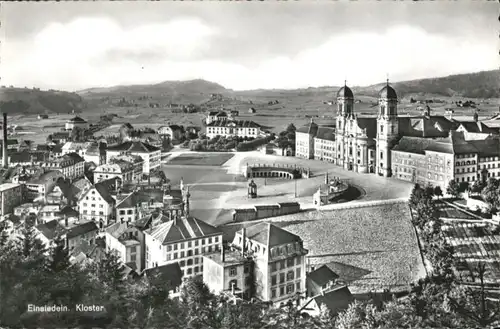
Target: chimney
222, 255
4, 144
243, 239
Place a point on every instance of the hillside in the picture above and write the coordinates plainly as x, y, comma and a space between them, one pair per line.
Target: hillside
191, 91
485, 84
34, 101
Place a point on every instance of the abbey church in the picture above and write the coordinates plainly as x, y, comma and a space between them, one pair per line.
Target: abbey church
375, 144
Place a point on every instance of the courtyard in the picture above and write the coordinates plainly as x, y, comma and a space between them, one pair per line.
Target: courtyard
218, 188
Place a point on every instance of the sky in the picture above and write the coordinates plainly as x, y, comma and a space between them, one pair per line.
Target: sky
243, 45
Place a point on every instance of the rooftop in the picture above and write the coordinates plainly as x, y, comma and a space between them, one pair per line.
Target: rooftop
234, 123
231, 257
182, 229
81, 229
7, 186
270, 235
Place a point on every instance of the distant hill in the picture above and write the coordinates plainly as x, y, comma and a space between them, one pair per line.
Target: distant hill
34, 101
485, 84
191, 91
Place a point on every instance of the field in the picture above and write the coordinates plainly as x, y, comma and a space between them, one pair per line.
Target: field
375, 246
475, 243
200, 159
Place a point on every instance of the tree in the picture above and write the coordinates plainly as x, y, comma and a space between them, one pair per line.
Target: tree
76, 134
453, 188
438, 192
429, 191
473, 305
59, 257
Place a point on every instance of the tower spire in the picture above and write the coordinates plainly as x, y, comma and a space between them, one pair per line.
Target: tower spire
387, 78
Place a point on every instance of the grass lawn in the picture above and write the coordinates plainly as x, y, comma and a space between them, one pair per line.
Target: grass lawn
378, 241
197, 159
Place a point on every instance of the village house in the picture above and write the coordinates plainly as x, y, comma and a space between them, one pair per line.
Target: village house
79, 148
11, 196
336, 300
71, 165
26, 158
38, 187
150, 154
169, 274
324, 144
173, 131
122, 239
97, 202
79, 233
50, 231
279, 261
182, 239
42, 116
228, 272
239, 128
76, 122
26, 209
216, 116
116, 167
59, 138
48, 213
138, 204
304, 140
93, 154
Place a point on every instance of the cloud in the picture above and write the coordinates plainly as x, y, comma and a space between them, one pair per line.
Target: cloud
98, 51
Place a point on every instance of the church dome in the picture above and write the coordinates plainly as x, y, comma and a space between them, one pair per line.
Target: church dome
388, 92
345, 92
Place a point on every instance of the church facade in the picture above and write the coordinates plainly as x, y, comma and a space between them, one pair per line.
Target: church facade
370, 144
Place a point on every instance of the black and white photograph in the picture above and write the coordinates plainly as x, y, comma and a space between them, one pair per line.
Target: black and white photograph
250, 164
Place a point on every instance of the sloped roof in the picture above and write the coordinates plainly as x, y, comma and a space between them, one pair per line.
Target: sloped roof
270, 235
81, 229
237, 123
322, 275
135, 147
51, 229
311, 129
477, 127
45, 177
336, 300
326, 133
169, 231
117, 229
167, 273
104, 189
68, 211
77, 119
419, 145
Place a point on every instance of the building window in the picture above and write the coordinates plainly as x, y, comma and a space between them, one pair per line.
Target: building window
297, 286
290, 289
196, 269
289, 276
282, 277
189, 271
232, 271
175, 255
246, 269
182, 263
182, 254
298, 261
289, 262
273, 280
274, 267
273, 293
282, 291
297, 273
169, 248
